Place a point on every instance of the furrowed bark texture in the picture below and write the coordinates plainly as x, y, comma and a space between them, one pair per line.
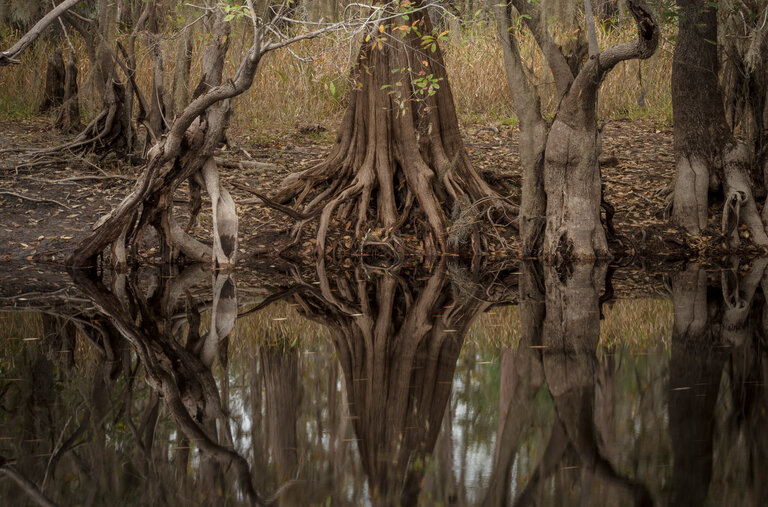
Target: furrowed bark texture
399, 155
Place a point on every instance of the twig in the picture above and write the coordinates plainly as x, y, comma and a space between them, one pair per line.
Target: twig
272, 204
20, 196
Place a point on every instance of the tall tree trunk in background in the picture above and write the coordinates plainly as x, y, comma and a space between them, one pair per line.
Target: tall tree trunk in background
68, 118
707, 154
55, 75
180, 87
606, 11
745, 79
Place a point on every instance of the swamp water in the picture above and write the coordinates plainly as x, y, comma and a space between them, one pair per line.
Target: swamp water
369, 387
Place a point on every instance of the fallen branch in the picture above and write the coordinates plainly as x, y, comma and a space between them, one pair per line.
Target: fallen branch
272, 204
20, 196
29, 487
245, 164
74, 179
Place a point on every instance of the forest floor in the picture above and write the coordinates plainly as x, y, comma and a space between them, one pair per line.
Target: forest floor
46, 209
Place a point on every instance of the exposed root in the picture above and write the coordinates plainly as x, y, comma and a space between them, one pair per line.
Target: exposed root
399, 165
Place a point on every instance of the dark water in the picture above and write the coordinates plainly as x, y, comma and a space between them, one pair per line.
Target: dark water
447, 386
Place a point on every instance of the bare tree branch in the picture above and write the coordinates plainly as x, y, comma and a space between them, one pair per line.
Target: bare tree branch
9, 57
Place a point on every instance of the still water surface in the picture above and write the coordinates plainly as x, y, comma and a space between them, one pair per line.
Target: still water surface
370, 387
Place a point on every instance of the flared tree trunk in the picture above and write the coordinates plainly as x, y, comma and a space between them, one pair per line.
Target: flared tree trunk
399, 158
707, 155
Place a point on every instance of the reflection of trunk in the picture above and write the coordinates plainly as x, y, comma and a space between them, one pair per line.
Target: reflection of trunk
694, 379
521, 378
397, 345
570, 334
281, 385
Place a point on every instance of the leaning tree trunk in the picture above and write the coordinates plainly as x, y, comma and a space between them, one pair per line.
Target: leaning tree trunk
185, 154
399, 155
707, 154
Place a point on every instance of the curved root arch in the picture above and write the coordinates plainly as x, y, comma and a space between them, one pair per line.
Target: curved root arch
399, 155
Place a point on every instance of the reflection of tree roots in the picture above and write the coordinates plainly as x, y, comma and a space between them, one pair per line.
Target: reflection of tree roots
397, 331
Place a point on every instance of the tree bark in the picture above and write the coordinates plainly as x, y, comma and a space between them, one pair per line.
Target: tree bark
399, 153
68, 118
55, 77
561, 170
708, 156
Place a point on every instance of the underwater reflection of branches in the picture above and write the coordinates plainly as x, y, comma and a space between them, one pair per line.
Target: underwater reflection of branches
181, 376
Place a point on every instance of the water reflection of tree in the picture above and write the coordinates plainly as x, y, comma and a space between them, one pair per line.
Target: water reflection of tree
560, 320
718, 371
397, 335
178, 362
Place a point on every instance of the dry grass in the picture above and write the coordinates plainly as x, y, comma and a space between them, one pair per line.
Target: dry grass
279, 324
640, 324
308, 84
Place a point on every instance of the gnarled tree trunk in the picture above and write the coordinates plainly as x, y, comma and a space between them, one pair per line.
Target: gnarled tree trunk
561, 171
399, 158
